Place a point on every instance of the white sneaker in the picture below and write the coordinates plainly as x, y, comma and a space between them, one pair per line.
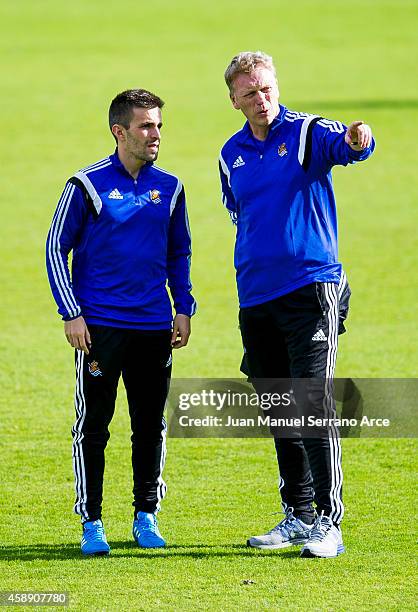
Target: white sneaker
325, 539
289, 532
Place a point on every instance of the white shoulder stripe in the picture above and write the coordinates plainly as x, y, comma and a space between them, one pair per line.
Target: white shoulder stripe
98, 163
333, 126
103, 165
294, 116
91, 190
225, 169
302, 138
175, 196
165, 172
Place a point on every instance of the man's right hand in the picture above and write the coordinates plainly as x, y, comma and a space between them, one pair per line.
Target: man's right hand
77, 334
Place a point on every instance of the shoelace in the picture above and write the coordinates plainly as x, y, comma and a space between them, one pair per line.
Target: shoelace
320, 528
148, 526
94, 534
285, 526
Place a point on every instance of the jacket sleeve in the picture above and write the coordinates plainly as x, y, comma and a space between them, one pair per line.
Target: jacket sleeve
330, 149
67, 223
179, 255
227, 195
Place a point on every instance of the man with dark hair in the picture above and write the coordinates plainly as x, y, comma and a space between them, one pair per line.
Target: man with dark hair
121, 107
125, 220
277, 186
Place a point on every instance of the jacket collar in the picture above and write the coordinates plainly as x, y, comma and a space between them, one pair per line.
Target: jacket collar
114, 158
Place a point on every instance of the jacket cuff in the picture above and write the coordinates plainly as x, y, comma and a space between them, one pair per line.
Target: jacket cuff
67, 318
188, 310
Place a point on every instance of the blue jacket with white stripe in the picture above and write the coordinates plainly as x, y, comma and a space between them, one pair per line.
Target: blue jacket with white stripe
128, 238
279, 194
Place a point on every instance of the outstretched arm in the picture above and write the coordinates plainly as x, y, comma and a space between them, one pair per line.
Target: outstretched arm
336, 144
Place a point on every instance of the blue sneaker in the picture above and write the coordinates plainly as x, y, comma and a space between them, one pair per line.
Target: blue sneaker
145, 531
94, 540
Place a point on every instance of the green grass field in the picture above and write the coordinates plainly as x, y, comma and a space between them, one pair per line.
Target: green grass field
61, 65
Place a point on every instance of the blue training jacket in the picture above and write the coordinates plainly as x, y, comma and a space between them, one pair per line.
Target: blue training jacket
128, 237
279, 194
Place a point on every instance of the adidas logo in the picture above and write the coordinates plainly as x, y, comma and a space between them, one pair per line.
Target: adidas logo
115, 195
319, 336
238, 162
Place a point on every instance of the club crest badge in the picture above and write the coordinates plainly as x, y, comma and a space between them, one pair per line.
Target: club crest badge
155, 196
282, 151
94, 369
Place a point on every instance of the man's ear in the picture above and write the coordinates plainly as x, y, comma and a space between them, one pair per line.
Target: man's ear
234, 101
118, 132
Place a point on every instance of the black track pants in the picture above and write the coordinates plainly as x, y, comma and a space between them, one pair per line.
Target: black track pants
296, 336
144, 360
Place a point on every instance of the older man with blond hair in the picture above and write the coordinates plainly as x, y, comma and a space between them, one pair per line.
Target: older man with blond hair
293, 293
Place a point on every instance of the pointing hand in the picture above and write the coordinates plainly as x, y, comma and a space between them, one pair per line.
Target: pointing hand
358, 135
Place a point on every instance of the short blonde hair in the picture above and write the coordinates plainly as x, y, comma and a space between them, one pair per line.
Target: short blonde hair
247, 61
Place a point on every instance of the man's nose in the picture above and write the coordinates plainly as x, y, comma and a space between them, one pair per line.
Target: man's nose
260, 97
155, 133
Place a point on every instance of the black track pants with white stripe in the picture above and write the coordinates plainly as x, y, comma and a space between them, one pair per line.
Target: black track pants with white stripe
295, 336
143, 358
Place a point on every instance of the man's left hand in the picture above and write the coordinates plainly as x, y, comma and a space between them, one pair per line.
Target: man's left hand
181, 331
358, 136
